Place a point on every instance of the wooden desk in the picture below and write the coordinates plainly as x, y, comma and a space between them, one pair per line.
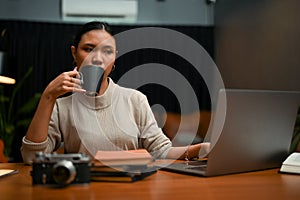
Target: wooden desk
265, 185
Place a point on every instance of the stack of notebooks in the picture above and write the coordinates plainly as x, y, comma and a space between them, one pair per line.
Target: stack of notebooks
291, 164
122, 166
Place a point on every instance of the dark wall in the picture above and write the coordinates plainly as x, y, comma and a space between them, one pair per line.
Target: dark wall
257, 43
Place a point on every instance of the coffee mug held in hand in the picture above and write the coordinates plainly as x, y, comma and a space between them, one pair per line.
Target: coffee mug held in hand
91, 78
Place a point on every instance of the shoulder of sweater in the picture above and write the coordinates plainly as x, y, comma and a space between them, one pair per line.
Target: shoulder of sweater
126, 90
62, 100
130, 92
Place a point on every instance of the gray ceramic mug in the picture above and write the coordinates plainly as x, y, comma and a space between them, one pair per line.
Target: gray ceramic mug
91, 77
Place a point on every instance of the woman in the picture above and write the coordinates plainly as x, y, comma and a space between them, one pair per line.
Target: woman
121, 118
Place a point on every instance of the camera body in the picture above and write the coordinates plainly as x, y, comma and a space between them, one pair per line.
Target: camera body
60, 169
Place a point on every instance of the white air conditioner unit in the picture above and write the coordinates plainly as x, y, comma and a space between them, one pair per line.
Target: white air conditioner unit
110, 11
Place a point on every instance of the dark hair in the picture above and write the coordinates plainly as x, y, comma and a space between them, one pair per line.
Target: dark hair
94, 25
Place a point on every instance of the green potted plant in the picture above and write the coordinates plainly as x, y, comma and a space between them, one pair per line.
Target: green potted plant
12, 119
295, 145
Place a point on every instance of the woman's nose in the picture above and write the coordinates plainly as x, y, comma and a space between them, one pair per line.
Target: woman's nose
97, 58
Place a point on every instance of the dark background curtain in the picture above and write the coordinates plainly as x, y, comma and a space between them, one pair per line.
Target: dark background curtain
45, 47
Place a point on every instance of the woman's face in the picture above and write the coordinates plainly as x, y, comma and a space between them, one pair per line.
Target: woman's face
96, 47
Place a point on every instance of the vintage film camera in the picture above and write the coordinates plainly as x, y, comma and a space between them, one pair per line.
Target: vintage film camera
60, 169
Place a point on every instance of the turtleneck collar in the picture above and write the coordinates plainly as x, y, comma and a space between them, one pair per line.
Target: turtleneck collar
97, 102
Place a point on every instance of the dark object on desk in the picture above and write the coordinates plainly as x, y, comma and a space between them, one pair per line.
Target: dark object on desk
121, 173
256, 135
60, 169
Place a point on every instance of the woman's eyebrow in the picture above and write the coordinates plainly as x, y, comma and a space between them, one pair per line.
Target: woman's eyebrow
89, 44
108, 46
98, 46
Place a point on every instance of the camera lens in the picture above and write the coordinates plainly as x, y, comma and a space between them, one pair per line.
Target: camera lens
64, 172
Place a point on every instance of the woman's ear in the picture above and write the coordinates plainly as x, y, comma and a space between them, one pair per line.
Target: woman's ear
73, 50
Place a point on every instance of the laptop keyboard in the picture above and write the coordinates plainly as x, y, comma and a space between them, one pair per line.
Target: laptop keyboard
199, 164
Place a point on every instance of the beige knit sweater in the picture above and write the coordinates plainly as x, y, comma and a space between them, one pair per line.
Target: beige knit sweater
120, 119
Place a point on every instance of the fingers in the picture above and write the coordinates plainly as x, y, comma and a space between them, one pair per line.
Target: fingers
72, 82
73, 73
76, 85
204, 149
76, 81
66, 82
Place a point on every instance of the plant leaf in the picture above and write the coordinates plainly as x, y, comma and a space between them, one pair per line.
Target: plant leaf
30, 105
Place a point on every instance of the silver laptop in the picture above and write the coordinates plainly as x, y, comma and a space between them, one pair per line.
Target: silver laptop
257, 133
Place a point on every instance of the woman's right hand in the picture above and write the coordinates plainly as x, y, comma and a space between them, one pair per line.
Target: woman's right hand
64, 83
